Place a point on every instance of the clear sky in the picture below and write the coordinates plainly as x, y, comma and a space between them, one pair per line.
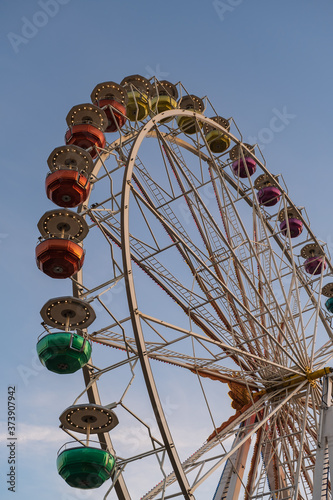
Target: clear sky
254, 59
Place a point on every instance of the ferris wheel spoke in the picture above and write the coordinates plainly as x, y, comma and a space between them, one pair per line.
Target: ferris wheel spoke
316, 314
281, 456
204, 366
287, 324
301, 461
208, 237
236, 269
203, 340
273, 461
270, 414
154, 267
197, 314
231, 429
280, 316
267, 465
323, 355
244, 195
196, 220
204, 266
268, 236
269, 265
299, 451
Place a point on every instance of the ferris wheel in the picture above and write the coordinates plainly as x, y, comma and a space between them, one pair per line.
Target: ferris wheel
206, 280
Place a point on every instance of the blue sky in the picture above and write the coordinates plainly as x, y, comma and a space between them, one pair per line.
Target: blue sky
255, 61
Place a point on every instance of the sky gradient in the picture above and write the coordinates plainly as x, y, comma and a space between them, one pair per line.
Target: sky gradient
267, 64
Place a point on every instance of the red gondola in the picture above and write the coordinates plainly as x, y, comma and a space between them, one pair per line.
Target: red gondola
59, 258
86, 136
116, 117
67, 188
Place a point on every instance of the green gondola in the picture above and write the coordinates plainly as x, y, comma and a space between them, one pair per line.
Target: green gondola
63, 352
329, 304
85, 468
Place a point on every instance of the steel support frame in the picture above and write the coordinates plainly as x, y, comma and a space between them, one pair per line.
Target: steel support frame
325, 444
232, 476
